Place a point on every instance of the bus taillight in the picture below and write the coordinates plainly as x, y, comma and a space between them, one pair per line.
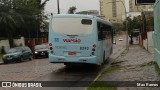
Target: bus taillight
50, 44
93, 49
94, 46
51, 48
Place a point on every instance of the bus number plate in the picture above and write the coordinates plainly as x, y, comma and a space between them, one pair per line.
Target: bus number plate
72, 53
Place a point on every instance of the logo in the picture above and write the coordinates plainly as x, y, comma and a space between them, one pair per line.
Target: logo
56, 39
6, 84
72, 40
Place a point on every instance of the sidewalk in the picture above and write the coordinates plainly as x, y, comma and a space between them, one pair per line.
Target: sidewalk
136, 65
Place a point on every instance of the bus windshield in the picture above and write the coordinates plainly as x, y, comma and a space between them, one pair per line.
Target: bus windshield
72, 26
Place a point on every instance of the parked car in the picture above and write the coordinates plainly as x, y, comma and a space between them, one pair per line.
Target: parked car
17, 54
41, 50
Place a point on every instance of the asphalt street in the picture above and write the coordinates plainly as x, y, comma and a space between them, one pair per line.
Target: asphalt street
42, 70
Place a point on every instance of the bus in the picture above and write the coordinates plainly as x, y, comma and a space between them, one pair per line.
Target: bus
76, 38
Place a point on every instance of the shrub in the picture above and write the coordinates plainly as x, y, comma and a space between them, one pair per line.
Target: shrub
20, 44
2, 50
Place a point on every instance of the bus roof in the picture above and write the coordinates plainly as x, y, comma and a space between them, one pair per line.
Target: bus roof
104, 21
72, 15
82, 16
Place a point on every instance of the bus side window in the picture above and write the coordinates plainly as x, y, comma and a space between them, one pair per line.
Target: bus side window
107, 32
104, 35
99, 31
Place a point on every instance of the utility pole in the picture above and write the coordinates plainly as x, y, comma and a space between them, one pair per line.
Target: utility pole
58, 6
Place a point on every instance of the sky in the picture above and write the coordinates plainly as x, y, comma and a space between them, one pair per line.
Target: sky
81, 5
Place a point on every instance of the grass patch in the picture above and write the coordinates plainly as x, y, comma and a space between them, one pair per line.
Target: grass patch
148, 64
111, 69
100, 86
157, 68
105, 86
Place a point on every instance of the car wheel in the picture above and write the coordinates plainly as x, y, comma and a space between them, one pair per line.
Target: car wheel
46, 56
5, 62
35, 57
30, 58
20, 59
16, 61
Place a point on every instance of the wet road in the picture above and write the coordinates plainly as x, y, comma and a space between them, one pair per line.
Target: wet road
42, 70
66, 75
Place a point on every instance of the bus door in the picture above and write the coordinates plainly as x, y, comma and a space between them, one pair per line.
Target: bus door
100, 42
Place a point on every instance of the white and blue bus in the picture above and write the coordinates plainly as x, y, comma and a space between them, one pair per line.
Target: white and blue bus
75, 38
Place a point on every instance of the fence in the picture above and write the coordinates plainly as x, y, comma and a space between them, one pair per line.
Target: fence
31, 42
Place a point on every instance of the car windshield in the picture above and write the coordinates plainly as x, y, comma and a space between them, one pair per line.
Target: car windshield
12, 50
44, 46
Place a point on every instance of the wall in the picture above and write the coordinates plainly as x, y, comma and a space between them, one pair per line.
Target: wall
6, 45
19, 42
156, 34
148, 43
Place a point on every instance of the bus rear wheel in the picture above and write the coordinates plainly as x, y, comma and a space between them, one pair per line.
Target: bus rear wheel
68, 64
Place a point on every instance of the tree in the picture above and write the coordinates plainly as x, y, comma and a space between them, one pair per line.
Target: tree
72, 10
135, 23
9, 20
18, 17
149, 22
118, 27
32, 12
